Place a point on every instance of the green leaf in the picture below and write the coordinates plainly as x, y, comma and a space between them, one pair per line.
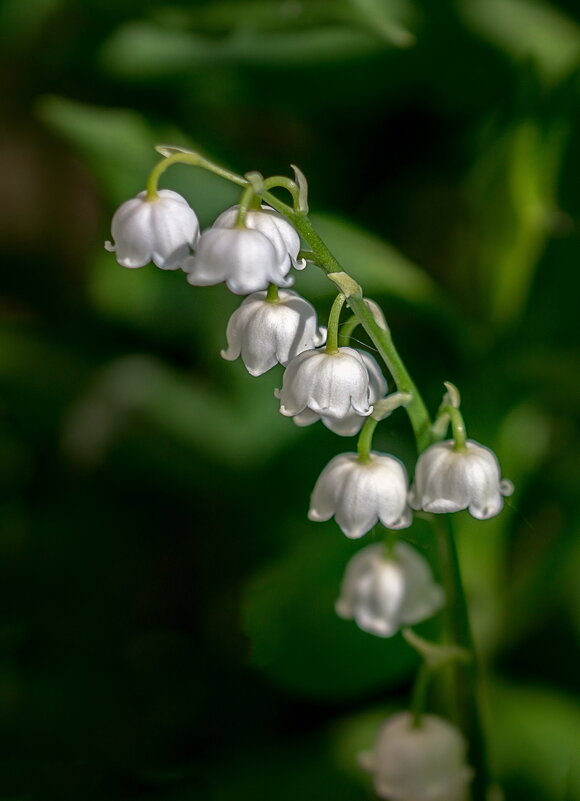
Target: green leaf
520, 444
528, 28
142, 391
375, 264
512, 191
124, 157
299, 768
386, 18
142, 50
297, 638
535, 741
21, 20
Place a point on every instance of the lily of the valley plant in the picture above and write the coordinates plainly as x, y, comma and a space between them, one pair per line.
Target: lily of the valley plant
254, 248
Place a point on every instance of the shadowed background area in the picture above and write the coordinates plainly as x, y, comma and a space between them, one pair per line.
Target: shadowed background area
166, 621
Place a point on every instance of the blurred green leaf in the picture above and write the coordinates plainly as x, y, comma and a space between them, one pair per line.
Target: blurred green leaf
386, 17
512, 191
375, 264
528, 28
123, 158
297, 638
236, 427
535, 741
142, 50
297, 768
521, 445
21, 20
38, 376
153, 301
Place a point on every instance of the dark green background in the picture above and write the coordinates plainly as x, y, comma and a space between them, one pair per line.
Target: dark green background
166, 623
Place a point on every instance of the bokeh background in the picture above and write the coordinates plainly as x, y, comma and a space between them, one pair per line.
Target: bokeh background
166, 620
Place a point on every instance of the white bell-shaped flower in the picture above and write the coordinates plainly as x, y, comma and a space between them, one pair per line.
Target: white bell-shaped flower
419, 763
382, 592
163, 230
350, 424
242, 257
279, 231
448, 480
330, 384
267, 332
360, 493
247, 258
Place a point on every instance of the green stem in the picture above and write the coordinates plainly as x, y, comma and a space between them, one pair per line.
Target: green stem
465, 675
333, 320
347, 330
457, 427
391, 538
419, 695
286, 183
194, 160
272, 295
365, 439
381, 338
248, 196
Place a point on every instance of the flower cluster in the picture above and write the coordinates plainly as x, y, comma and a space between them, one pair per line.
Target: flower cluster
247, 252
252, 248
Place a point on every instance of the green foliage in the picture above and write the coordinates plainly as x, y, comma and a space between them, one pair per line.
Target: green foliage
531, 29
298, 639
167, 627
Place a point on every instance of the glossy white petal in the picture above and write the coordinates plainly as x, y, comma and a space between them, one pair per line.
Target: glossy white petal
245, 259
279, 231
163, 230
359, 494
330, 384
383, 592
447, 480
266, 333
419, 763
350, 424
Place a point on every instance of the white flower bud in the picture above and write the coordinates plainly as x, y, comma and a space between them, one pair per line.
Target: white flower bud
266, 333
419, 763
358, 494
279, 231
382, 592
350, 424
162, 230
248, 258
448, 480
330, 384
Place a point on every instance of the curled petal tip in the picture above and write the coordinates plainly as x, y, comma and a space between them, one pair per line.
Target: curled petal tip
506, 487
366, 761
342, 610
227, 354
